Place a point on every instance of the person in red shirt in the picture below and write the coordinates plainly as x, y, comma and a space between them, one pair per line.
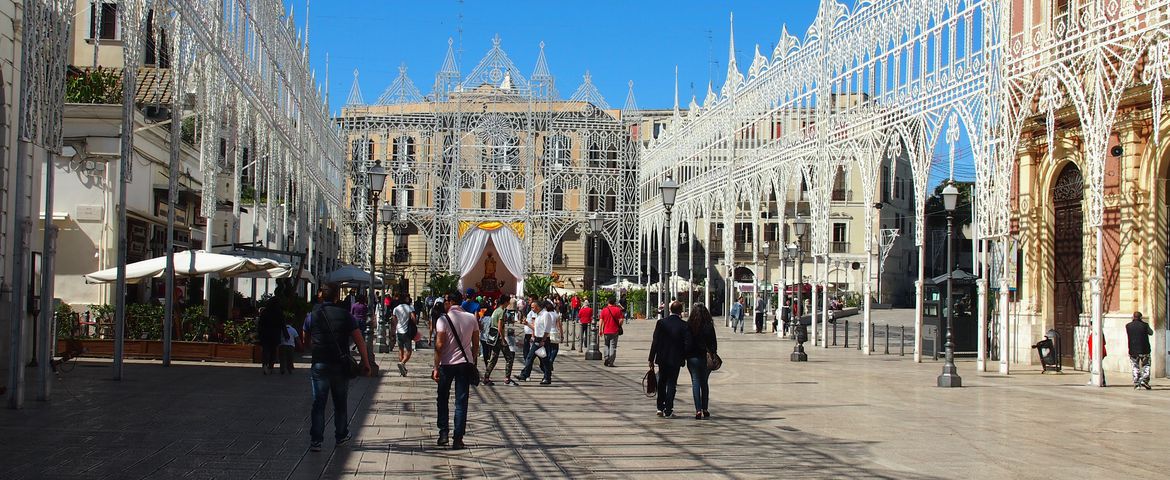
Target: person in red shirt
585, 315
611, 327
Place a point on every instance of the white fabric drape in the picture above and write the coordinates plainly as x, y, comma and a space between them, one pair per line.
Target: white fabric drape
473, 245
510, 250
508, 246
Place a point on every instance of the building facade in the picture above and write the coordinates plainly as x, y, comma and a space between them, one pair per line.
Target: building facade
494, 151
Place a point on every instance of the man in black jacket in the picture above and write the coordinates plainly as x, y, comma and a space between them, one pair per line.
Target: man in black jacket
1139, 333
329, 330
671, 341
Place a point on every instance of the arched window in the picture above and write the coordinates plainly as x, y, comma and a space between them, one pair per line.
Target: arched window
557, 151
403, 151
595, 156
594, 200
611, 201
558, 198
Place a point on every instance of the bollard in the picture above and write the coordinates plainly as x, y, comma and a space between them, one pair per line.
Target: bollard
887, 339
860, 332
834, 334
902, 341
847, 334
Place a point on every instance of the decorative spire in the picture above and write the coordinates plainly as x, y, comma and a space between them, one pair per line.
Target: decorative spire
491, 70
630, 111
759, 63
588, 93
734, 78
448, 76
676, 90
693, 108
543, 83
710, 100
787, 43
355, 93
402, 90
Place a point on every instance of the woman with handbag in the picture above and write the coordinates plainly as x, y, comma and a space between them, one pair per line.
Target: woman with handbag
702, 356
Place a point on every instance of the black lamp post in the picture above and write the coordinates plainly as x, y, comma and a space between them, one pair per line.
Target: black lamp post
767, 284
377, 176
386, 213
800, 227
668, 189
595, 225
950, 375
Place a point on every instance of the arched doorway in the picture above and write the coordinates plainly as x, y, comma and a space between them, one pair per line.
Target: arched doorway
1067, 252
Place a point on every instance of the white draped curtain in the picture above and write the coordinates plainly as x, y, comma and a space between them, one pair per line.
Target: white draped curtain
508, 246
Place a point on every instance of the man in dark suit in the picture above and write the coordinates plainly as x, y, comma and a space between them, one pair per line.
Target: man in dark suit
672, 338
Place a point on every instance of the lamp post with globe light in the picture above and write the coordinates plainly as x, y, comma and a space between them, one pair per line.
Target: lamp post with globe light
595, 225
800, 227
950, 375
377, 176
668, 189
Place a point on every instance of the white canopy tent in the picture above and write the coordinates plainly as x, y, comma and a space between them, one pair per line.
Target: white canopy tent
190, 263
507, 243
283, 271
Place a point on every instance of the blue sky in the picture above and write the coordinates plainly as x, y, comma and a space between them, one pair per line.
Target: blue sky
617, 41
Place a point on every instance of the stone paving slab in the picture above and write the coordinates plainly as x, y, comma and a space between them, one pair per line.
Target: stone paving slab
841, 415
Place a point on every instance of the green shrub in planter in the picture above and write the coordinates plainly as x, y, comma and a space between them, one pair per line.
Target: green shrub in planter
144, 321
67, 326
196, 326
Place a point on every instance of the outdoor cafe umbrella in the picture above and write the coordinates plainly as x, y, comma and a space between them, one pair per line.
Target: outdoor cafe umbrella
283, 271
350, 274
190, 263
622, 284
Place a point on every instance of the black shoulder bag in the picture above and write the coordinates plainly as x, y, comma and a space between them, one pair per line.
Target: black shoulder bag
472, 370
352, 367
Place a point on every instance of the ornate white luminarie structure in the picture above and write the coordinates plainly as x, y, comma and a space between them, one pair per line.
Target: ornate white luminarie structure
912, 73
491, 147
239, 71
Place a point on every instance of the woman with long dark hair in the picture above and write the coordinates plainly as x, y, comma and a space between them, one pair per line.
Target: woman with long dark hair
703, 342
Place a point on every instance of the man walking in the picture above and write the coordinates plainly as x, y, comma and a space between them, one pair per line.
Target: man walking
530, 339
672, 339
1139, 333
611, 324
585, 316
330, 328
737, 311
457, 334
406, 321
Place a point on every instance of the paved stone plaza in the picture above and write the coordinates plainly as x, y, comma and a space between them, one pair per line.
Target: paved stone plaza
841, 415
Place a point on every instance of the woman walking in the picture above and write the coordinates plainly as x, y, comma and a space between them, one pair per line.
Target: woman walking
702, 343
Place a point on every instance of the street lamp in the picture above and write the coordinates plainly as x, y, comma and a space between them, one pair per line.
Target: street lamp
800, 227
377, 177
595, 225
768, 284
386, 213
668, 189
950, 375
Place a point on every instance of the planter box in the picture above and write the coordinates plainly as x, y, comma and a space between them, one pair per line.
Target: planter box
235, 353
152, 350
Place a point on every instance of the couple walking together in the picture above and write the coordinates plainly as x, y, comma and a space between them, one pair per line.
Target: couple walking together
677, 342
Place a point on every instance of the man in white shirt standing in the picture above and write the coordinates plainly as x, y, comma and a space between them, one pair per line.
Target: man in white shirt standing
407, 327
456, 338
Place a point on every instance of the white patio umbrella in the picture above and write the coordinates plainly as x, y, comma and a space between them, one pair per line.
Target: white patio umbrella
190, 263
351, 274
283, 271
622, 284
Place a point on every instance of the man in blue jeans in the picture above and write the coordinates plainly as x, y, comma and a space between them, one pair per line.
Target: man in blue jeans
330, 329
668, 349
456, 341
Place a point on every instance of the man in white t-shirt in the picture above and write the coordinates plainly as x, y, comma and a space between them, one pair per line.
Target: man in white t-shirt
407, 327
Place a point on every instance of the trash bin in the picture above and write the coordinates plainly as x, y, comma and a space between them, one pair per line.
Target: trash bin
1049, 351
